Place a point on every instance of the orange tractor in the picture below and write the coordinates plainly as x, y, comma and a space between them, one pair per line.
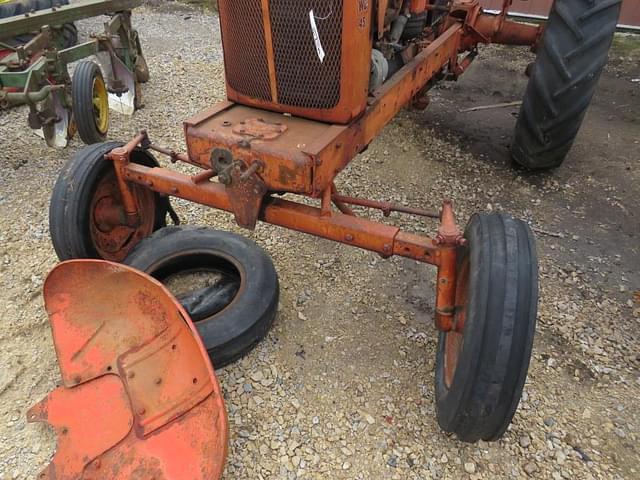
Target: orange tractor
310, 84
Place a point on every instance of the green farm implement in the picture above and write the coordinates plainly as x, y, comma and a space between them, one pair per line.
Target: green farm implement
38, 46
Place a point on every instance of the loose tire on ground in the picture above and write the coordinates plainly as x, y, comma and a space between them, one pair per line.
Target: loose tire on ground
90, 102
85, 189
481, 371
572, 55
233, 330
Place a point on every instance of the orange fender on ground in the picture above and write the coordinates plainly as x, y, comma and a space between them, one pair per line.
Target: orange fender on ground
140, 399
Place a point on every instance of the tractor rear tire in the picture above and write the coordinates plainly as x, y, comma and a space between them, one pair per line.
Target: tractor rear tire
415, 25
572, 55
481, 370
69, 35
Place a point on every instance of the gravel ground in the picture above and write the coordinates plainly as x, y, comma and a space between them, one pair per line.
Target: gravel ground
342, 386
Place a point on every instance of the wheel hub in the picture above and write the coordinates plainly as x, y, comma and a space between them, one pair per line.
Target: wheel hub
112, 237
100, 99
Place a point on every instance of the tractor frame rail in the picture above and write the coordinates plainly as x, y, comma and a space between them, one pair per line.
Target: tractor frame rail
322, 221
258, 155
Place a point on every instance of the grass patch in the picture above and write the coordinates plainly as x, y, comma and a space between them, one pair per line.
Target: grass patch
626, 45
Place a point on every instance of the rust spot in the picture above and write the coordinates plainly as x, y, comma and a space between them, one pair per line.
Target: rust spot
286, 175
150, 305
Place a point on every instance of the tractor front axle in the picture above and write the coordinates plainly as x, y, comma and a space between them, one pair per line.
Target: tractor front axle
323, 221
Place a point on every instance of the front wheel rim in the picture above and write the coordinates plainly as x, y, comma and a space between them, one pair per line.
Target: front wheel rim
112, 238
454, 340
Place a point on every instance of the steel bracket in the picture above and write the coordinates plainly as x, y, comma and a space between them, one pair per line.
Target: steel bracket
246, 190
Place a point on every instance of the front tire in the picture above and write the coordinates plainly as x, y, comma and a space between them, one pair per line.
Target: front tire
563, 79
480, 372
86, 217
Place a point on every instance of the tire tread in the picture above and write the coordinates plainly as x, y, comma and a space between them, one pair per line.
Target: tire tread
70, 196
232, 333
82, 95
563, 81
488, 382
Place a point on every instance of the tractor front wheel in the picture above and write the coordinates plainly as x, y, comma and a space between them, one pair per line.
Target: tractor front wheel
573, 53
482, 366
86, 214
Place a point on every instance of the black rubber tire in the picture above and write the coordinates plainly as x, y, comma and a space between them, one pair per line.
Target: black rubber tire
69, 35
69, 214
82, 97
415, 25
497, 338
564, 77
436, 16
231, 333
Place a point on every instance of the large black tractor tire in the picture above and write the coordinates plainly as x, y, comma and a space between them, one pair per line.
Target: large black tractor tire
69, 32
231, 316
481, 370
86, 183
563, 79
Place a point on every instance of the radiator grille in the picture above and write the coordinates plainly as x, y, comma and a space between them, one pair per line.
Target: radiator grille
245, 53
302, 79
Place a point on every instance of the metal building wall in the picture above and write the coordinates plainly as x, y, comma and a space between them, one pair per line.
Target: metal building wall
630, 15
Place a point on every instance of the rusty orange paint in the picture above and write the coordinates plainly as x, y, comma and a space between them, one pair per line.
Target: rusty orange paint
88, 420
454, 337
449, 239
355, 37
291, 154
338, 226
418, 6
113, 233
381, 14
139, 398
301, 155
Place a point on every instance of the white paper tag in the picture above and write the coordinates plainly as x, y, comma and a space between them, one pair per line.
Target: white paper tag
316, 36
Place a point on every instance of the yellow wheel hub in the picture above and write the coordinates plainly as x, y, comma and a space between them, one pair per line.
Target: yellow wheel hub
100, 105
